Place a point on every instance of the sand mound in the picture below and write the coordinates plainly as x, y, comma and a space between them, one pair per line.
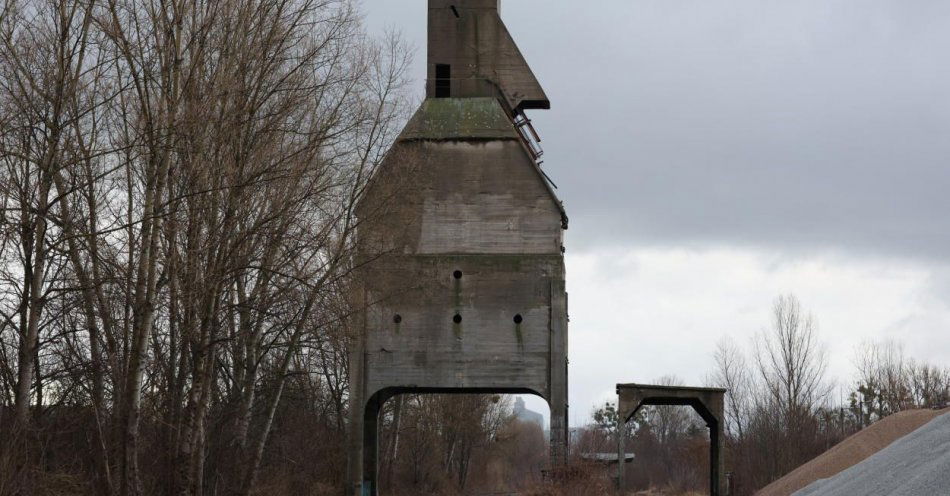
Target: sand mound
914, 465
851, 451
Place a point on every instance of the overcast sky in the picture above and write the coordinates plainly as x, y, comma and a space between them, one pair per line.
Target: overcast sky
713, 154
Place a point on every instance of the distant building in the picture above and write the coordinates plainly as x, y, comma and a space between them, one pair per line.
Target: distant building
574, 434
520, 412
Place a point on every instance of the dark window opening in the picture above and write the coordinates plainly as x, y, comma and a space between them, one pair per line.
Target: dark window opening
443, 80
457, 319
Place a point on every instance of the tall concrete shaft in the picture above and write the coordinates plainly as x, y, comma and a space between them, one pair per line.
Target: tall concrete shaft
461, 279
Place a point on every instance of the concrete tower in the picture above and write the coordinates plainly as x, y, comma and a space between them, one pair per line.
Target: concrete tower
461, 273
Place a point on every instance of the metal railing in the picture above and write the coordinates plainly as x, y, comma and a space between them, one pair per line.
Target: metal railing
477, 86
528, 135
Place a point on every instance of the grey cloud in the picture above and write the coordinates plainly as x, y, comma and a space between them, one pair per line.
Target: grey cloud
813, 124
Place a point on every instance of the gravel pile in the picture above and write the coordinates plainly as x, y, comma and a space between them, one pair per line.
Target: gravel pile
914, 465
851, 451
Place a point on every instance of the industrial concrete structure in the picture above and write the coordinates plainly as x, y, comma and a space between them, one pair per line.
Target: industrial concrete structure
708, 403
460, 255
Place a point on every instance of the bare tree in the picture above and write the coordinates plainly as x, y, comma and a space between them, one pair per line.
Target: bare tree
929, 385
178, 190
791, 387
732, 372
443, 438
888, 381
669, 423
44, 65
883, 376
792, 362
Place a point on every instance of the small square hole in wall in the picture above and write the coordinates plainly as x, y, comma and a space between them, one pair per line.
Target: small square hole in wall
443, 80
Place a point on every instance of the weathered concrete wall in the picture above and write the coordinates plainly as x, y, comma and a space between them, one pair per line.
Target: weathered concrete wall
463, 273
474, 41
425, 347
459, 180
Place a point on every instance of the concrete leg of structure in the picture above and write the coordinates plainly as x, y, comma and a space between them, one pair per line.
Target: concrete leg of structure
559, 434
716, 466
370, 484
363, 447
558, 400
354, 433
621, 454
354, 459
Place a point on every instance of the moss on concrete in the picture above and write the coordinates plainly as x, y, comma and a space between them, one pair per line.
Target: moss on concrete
460, 118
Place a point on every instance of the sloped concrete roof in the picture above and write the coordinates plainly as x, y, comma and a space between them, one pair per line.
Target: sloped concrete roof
459, 118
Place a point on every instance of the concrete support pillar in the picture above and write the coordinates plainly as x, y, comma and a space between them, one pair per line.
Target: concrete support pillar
559, 433
713, 460
370, 482
558, 400
354, 461
354, 438
363, 445
716, 465
621, 453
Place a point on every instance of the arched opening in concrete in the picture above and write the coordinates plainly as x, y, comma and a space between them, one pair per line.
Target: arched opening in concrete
425, 440
707, 402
